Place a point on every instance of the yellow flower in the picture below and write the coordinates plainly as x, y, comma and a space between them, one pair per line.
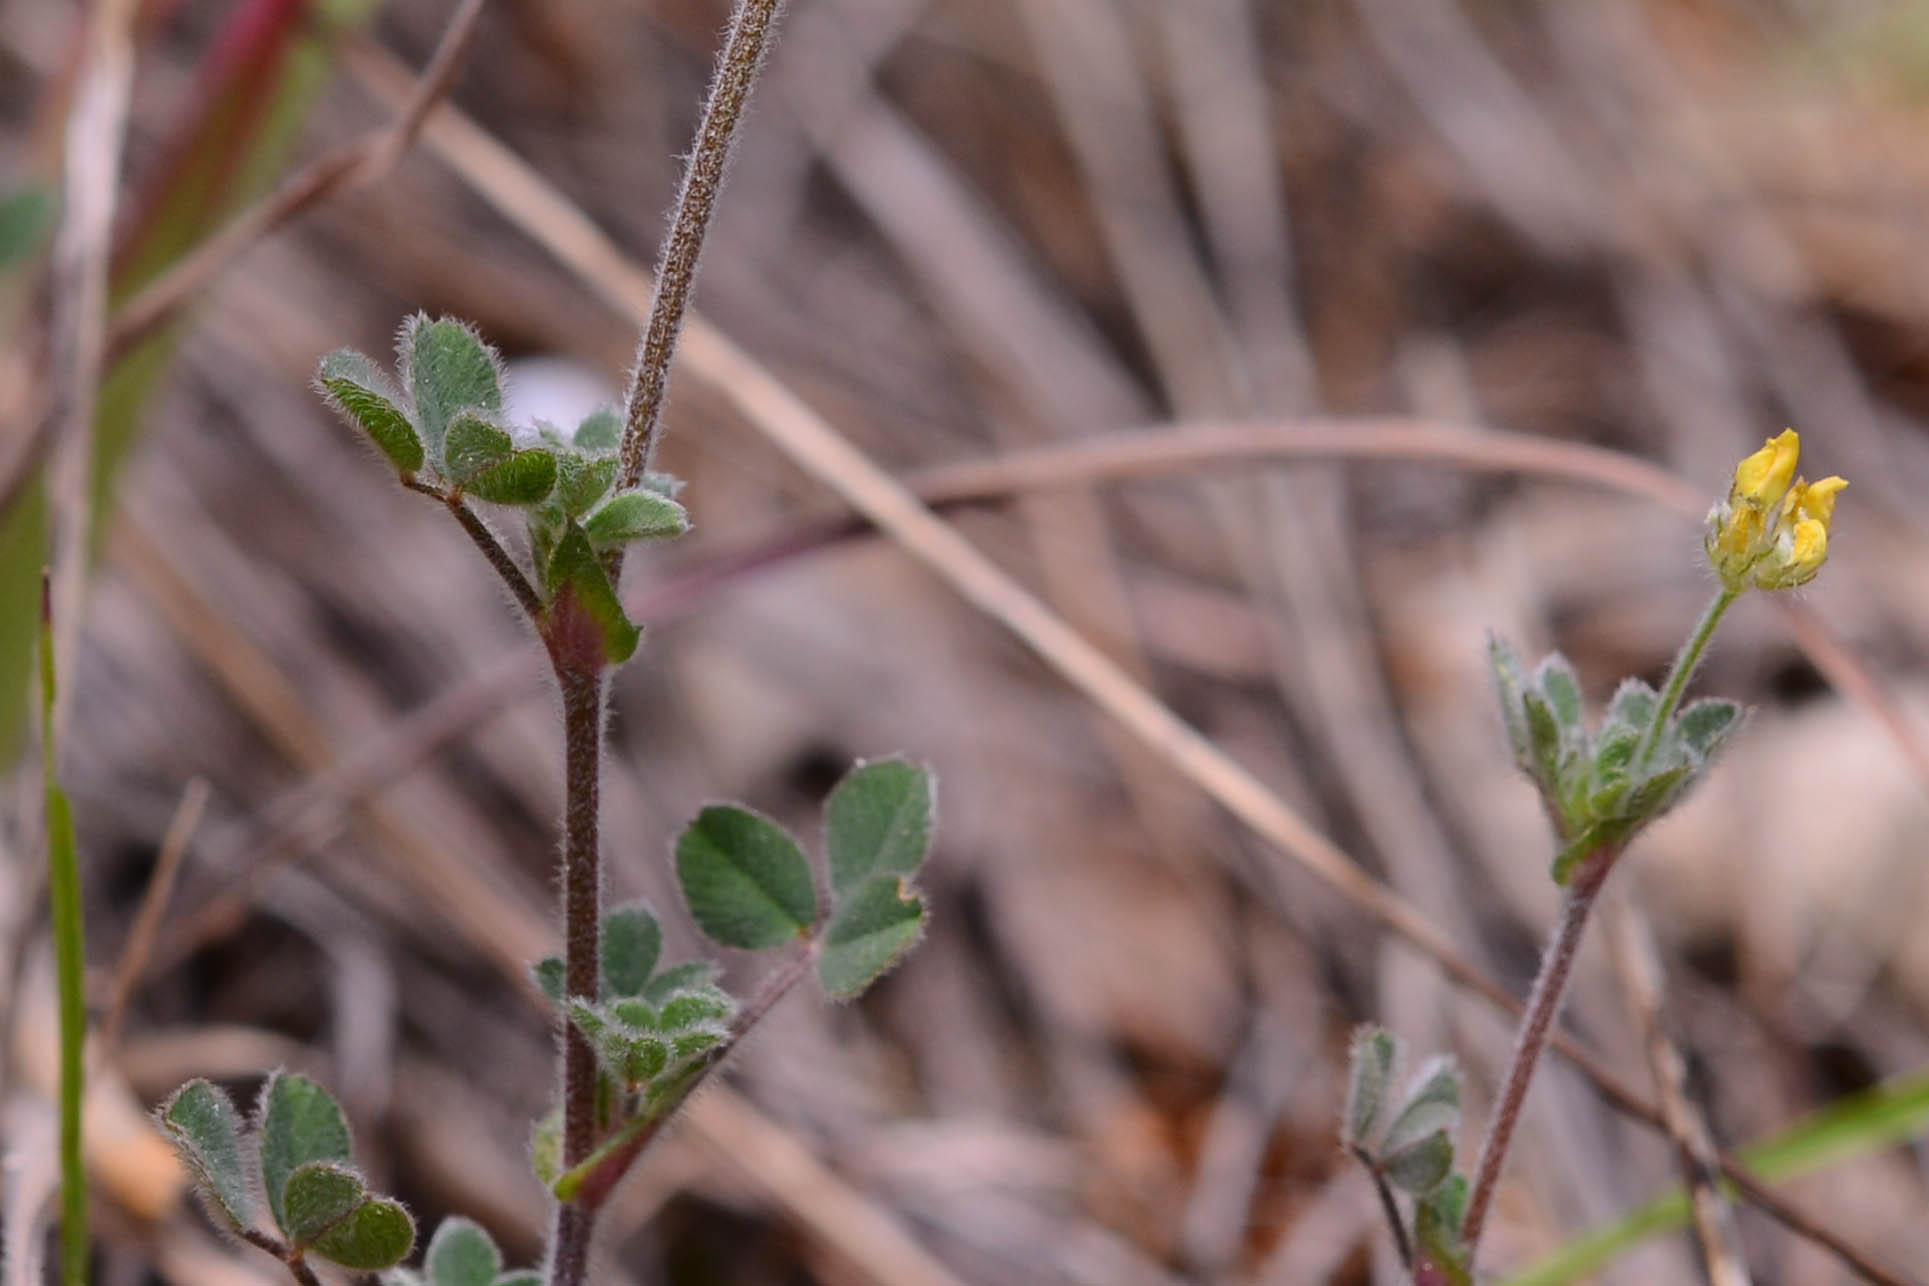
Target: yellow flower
1773, 529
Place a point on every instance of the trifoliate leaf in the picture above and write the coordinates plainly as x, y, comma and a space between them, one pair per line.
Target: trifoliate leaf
296, 1122
447, 369
871, 931
877, 822
745, 879
361, 394
201, 1123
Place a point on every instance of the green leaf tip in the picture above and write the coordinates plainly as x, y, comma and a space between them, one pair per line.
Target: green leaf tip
870, 933
297, 1122
200, 1121
362, 395
447, 368
878, 821
745, 879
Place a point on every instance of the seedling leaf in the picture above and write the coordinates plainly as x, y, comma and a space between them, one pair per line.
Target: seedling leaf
298, 1122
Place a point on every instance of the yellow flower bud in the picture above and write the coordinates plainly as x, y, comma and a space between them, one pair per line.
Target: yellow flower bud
1763, 477
1817, 499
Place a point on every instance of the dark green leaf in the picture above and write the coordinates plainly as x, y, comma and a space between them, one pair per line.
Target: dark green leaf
319, 1195
631, 943
473, 445
361, 394
1543, 740
447, 369
1420, 1166
525, 478
1369, 1075
601, 430
870, 932
694, 1008
461, 1254
201, 1122
581, 597
297, 1122
877, 822
635, 515
550, 976
378, 1235
745, 879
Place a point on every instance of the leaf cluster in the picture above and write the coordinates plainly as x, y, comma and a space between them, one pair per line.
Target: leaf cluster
444, 431
1407, 1142
1600, 788
296, 1151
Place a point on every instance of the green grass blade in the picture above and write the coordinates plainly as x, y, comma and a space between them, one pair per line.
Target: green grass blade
1884, 1116
63, 895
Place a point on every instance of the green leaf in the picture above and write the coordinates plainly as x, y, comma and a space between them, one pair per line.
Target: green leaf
1370, 1066
1508, 685
201, 1123
681, 977
631, 942
25, 216
632, 1056
869, 934
877, 822
361, 394
1432, 1104
1543, 741
601, 430
550, 976
546, 1148
1862, 1124
319, 1196
1705, 725
582, 480
581, 596
1437, 1220
447, 369
482, 458
695, 1007
635, 515
1634, 704
379, 1234
745, 879
1555, 678
1614, 751
297, 1122
1420, 1166
461, 1254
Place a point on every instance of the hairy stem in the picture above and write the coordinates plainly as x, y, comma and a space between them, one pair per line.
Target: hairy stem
500, 559
676, 270
582, 693
1537, 1023
1685, 663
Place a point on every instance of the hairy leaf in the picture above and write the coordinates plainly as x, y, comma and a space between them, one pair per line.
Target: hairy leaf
745, 879
635, 515
1421, 1165
201, 1122
877, 822
447, 369
461, 1254
296, 1122
359, 391
581, 596
319, 1196
601, 430
632, 941
1374, 1055
379, 1234
870, 933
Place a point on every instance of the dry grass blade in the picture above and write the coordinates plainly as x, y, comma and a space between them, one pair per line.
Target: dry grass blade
147, 921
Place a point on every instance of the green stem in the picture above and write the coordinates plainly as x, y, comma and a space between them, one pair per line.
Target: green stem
63, 894
1685, 663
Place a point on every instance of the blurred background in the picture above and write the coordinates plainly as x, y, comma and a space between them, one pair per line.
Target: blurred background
962, 230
